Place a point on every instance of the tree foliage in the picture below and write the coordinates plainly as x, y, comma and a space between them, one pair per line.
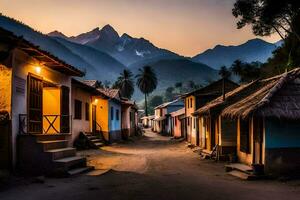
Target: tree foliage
224, 72
268, 16
125, 83
146, 82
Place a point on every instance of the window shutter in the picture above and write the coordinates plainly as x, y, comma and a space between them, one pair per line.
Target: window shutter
64, 110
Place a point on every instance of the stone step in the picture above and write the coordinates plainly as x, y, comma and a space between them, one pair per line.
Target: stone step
53, 144
242, 175
239, 167
96, 140
69, 163
92, 137
80, 170
99, 144
62, 153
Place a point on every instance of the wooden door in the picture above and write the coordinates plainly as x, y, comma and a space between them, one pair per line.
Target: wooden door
258, 140
65, 110
94, 126
34, 104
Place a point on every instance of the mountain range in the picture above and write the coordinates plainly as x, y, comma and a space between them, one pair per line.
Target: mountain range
103, 54
250, 51
128, 50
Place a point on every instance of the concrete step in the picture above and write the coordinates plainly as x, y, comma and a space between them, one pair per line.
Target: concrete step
62, 153
92, 137
99, 144
239, 167
96, 140
70, 162
242, 175
80, 170
53, 144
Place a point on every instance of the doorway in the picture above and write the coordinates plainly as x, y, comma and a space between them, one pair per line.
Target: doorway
257, 140
94, 125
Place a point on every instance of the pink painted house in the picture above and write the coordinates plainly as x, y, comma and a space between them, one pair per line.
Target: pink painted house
178, 125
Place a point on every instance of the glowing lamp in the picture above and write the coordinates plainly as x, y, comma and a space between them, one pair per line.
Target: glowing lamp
96, 101
37, 69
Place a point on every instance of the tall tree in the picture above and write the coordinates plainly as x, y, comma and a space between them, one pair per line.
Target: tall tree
224, 72
125, 84
147, 82
237, 67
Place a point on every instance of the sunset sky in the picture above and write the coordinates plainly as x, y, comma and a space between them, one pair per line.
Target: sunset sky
187, 27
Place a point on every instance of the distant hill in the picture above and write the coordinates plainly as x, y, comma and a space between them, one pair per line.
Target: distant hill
107, 67
126, 49
96, 64
172, 71
252, 50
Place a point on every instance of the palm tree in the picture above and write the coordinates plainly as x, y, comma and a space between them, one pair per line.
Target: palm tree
224, 72
125, 84
147, 82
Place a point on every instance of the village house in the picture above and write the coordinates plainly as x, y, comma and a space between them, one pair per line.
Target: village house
84, 112
178, 123
147, 121
268, 125
109, 115
129, 117
198, 98
222, 129
35, 107
162, 120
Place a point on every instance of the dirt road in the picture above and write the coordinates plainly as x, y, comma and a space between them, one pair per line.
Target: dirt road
152, 167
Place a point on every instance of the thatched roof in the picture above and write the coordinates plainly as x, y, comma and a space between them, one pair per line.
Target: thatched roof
276, 97
216, 105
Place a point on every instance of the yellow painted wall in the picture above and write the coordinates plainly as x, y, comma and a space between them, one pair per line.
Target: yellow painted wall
5, 88
243, 157
51, 106
102, 111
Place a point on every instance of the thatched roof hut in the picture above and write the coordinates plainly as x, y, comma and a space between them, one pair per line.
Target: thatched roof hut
275, 97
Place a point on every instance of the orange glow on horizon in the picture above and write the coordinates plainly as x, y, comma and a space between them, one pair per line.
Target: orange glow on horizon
185, 27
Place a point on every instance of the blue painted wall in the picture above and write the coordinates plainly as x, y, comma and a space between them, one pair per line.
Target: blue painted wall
282, 133
115, 123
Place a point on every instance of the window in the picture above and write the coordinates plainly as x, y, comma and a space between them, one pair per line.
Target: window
188, 121
191, 104
194, 122
78, 109
87, 111
117, 114
175, 121
244, 136
111, 113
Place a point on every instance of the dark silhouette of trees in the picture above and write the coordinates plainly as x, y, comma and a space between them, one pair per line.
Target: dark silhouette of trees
147, 82
125, 84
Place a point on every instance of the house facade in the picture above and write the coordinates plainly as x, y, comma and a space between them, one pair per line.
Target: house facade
129, 118
84, 103
163, 120
178, 123
195, 100
110, 114
147, 121
36, 88
262, 119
